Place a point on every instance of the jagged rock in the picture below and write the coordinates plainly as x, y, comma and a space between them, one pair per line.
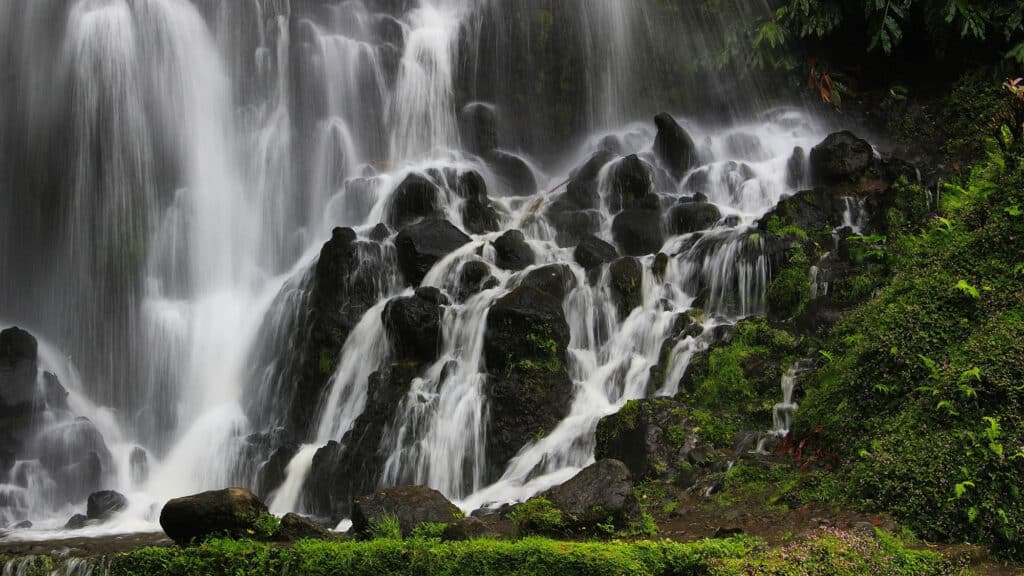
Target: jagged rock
415, 198
413, 326
554, 279
600, 493
478, 125
841, 157
674, 147
528, 387
654, 438
380, 232
638, 232
422, 245
627, 276
294, 527
18, 367
475, 277
273, 472
232, 511
104, 504
514, 171
631, 185
796, 169
593, 252
412, 505
693, 217
513, 253
746, 146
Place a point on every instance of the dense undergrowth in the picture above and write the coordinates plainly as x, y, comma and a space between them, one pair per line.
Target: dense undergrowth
828, 552
920, 391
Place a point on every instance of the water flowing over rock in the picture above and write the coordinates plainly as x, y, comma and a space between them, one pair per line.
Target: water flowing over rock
422, 245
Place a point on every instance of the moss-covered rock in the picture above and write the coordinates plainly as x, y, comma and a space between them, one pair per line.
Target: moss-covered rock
232, 512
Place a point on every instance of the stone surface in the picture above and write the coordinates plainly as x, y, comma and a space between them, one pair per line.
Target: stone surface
411, 505
232, 511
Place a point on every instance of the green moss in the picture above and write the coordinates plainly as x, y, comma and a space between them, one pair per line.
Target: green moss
790, 290
266, 526
538, 516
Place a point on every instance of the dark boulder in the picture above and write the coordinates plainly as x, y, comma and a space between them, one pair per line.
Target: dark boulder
582, 189
77, 522
474, 277
796, 169
674, 147
593, 252
424, 244
571, 224
411, 505
513, 171
479, 214
819, 210
528, 387
380, 232
653, 438
478, 125
18, 367
413, 325
415, 198
693, 217
512, 251
630, 185
638, 232
841, 157
601, 493
294, 527
491, 526
626, 276
554, 279
104, 504
274, 471
232, 511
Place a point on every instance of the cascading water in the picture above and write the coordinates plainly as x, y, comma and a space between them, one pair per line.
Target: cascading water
208, 149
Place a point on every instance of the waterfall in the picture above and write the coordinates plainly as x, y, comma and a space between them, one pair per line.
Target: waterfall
171, 170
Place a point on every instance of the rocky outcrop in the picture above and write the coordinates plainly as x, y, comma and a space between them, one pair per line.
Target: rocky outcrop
479, 214
674, 147
631, 185
575, 214
233, 511
410, 505
478, 126
841, 158
693, 217
656, 439
416, 198
474, 277
593, 252
513, 171
601, 493
104, 504
512, 252
413, 325
424, 244
626, 276
638, 232
554, 279
528, 387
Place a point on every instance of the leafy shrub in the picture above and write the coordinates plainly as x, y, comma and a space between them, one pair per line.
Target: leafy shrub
538, 516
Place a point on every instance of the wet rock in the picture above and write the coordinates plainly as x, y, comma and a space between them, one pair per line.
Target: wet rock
479, 214
295, 527
380, 232
104, 504
593, 252
601, 493
412, 505
674, 147
528, 386
75, 455
424, 244
654, 438
513, 253
627, 276
630, 185
77, 522
638, 232
514, 172
23, 525
18, 367
478, 125
572, 225
746, 146
581, 192
54, 395
796, 169
475, 277
841, 157
415, 198
693, 217
463, 529
273, 472
232, 511
413, 325
812, 210
554, 279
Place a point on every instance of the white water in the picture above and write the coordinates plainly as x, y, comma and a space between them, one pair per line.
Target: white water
224, 236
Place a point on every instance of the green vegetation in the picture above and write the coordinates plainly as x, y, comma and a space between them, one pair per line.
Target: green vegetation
831, 552
922, 396
386, 528
538, 516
